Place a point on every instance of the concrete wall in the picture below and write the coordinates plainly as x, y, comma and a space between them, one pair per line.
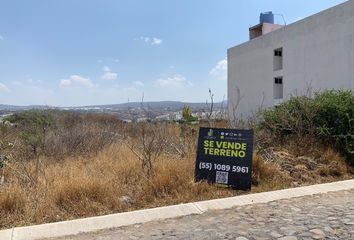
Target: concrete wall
317, 54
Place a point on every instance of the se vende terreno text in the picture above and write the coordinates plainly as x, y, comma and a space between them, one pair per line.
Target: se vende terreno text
225, 149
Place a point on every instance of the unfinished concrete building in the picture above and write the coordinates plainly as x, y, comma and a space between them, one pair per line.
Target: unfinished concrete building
313, 54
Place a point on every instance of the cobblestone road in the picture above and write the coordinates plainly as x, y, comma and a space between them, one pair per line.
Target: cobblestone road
326, 216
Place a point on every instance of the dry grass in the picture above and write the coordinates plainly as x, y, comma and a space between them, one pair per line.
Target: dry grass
332, 164
305, 161
12, 206
264, 173
111, 180
80, 187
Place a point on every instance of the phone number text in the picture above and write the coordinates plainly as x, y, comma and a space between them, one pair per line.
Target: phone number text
222, 167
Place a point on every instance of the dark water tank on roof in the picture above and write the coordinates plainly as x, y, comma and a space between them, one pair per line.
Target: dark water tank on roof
266, 17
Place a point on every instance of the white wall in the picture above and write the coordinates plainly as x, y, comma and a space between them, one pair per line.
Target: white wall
317, 53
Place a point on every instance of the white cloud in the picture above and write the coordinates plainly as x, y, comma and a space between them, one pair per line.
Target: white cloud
139, 83
145, 39
156, 41
220, 70
4, 88
109, 75
152, 40
32, 81
176, 81
1, 37
65, 82
76, 80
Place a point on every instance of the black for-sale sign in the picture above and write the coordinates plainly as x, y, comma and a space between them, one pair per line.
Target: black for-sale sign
224, 157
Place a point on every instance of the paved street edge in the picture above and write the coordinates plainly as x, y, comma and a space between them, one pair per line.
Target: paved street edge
65, 228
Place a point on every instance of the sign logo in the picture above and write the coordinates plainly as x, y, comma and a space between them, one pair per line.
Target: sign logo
210, 133
226, 158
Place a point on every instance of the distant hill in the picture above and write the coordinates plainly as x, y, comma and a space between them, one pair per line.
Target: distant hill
170, 105
15, 107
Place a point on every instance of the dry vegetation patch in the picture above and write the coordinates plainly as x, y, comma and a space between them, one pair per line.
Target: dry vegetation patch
71, 176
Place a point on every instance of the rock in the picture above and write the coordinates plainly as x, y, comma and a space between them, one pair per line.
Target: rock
295, 184
288, 238
289, 231
133, 238
241, 238
305, 234
329, 230
317, 231
7, 123
126, 200
275, 235
318, 237
295, 209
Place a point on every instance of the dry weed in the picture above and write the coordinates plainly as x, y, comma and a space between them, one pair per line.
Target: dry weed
12, 206
111, 181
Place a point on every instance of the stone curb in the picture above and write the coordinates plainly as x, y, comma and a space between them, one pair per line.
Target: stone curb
60, 229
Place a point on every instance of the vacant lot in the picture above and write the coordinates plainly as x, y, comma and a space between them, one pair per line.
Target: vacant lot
60, 165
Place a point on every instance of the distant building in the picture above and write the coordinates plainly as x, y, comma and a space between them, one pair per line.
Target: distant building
177, 116
164, 117
315, 53
142, 119
127, 120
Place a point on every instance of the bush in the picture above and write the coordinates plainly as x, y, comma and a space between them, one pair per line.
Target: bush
329, 117
335, 120
187, 114
295, 116
79, 134
31, 119
33, 127
57, 134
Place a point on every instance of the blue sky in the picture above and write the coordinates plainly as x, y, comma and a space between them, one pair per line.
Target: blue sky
86, 52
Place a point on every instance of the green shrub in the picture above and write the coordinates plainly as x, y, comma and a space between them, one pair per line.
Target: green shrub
187, 114
33, 127
335, 120
329, 116
31, 117
294, 116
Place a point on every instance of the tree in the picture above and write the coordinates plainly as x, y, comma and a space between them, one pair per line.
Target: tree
187, 114
33, 126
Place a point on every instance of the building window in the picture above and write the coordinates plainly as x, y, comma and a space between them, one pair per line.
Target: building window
278, 59
278, 52
278, 88
278, 80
